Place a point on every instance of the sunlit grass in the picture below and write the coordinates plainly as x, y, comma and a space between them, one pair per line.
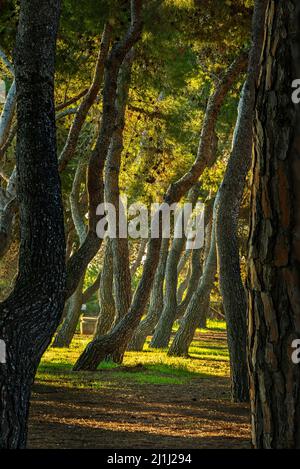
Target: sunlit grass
208, 357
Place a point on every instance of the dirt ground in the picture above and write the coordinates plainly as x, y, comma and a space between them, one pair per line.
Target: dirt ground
199, 415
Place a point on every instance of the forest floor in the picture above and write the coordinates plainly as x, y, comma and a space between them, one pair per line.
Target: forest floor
151, 401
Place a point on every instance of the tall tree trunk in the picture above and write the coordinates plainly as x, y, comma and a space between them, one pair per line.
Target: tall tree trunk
164, 326
274, 259
107, 311
230, 197
30, 315
119, 244
147, 325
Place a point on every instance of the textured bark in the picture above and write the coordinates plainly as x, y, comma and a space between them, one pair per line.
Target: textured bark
274, 259
107, 311
31, 313
147, 325
164, 326
230, 198
98, 349
190, 321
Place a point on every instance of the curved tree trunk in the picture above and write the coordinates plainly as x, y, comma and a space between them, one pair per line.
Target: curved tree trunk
155, 305
230, 197
30, 315
274, 275
79, 261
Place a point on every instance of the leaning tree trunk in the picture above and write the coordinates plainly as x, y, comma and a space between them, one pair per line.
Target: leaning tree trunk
156, 302
274, 274
190, 321
164, 326
30, 315
230, 198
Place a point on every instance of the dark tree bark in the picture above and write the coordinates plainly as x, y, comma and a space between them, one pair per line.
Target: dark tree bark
274, 261
148, 324
230, 198
31, 313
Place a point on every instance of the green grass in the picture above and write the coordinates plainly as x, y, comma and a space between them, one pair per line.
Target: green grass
208, 357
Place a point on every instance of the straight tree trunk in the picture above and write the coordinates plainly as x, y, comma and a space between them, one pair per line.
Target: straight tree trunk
230, 198
30, 315
274, 255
